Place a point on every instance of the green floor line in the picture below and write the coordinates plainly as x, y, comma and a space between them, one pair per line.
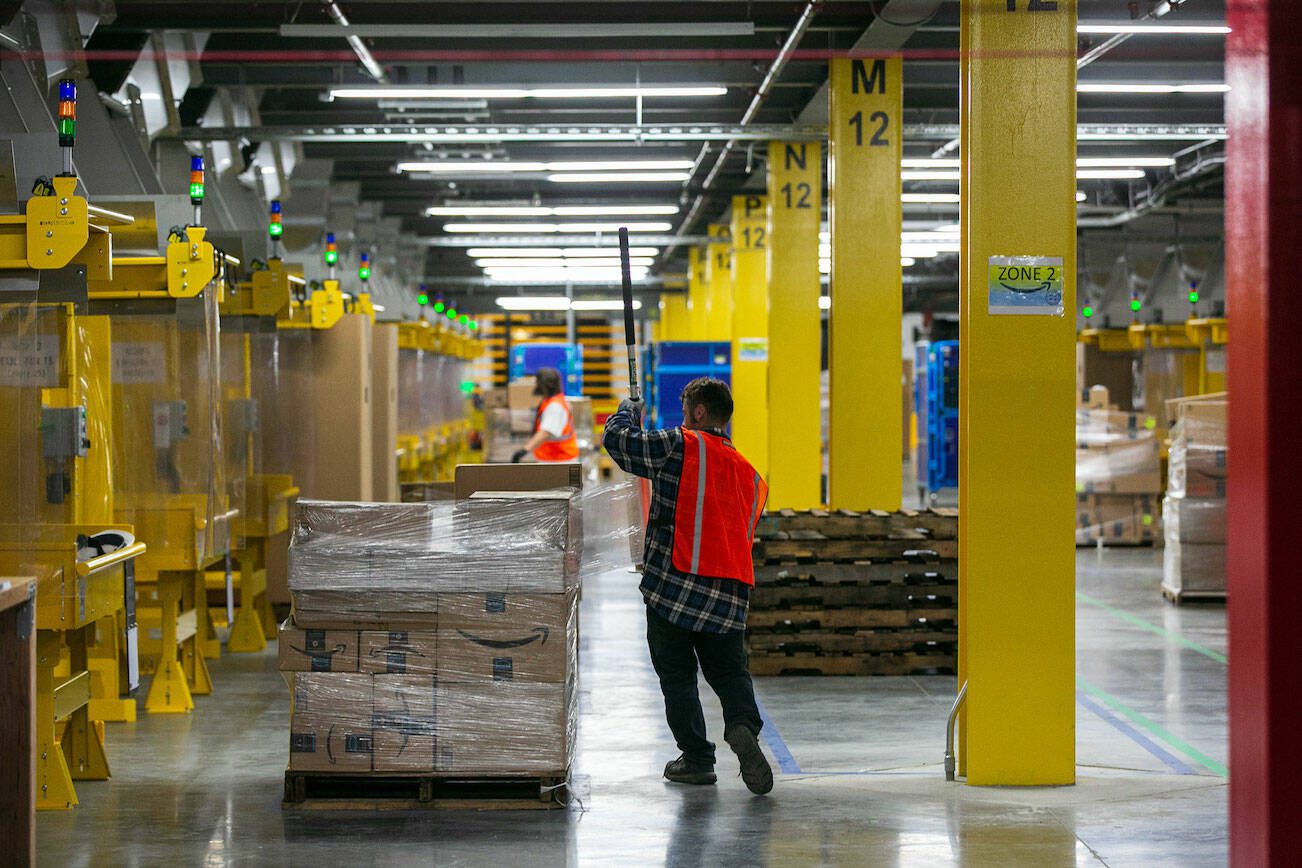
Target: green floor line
1153, 628
1152, 728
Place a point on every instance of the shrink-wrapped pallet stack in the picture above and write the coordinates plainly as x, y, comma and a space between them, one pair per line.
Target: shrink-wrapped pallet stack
435, 639
1118, 474
1194, 560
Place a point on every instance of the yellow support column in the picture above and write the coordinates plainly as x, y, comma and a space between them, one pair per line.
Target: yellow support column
698, 295
750, 330
864, 470
718, 278
795, 175
673, 317
1017, 553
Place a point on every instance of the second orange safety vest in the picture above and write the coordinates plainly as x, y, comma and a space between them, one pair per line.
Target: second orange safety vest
567, 447
720, 501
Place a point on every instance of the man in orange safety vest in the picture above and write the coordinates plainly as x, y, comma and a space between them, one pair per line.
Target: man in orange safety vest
697, 573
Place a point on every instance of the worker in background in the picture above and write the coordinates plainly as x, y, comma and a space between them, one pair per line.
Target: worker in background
553, 438
697, 573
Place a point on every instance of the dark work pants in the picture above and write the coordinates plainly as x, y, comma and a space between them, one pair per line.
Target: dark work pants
675, 653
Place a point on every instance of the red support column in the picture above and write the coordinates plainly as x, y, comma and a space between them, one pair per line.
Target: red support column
1263, 201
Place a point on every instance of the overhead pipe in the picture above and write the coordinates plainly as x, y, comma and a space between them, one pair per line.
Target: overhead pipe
812, 8
373, 69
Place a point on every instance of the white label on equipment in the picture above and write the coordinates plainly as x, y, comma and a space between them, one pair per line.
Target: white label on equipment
139, 362
29, 360
752, 349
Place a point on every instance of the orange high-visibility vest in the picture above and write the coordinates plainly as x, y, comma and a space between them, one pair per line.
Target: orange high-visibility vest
567, 447
720, 501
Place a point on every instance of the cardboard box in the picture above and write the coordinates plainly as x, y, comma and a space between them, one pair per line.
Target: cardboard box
343, 456
1094, 398
515, 477
405, 723
495, 399
1195, 519
1117, 518
505, 728
399, 652
1191, 567
1096, 427
311, 650
1164, 379
1130, 467
322, 743
277, 564
495, 611
1115, 371
384, 412
520, 396
526, 652
330, 721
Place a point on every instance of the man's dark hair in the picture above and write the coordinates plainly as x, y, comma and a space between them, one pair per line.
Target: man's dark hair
714, 395
547, 382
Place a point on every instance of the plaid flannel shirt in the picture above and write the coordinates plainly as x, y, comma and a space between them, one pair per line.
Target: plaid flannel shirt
697, 603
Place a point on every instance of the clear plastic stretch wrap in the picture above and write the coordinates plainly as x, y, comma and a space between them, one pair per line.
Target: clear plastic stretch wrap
1198, 452
1132, 467
443, 637
284, 387
1195, 505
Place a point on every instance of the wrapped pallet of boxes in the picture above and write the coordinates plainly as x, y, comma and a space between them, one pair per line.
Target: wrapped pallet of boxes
435, 644
1194, 507
1118, 474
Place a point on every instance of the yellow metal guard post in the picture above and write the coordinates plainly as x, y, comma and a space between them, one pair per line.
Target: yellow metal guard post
864, 359
750, 330
795, 174
718, 277
1017, 554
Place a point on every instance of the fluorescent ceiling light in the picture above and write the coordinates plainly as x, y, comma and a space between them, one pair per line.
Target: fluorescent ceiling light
1123, 162
533, 302
622, 177
553, 228
929, 198
549, 211
928, 163
602, 304
906, 261
561, 275
825, 302
1144, 88
465, 167
460, 92
1139, 27
1109, 174
558, 262
1080, 196
928, 176
552, 252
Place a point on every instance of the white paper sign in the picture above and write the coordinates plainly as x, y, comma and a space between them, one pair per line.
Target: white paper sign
139, 362
29, 360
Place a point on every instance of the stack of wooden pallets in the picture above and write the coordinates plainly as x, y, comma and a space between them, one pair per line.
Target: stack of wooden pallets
851, 593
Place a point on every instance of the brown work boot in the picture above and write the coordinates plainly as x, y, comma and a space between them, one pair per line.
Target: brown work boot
755, 770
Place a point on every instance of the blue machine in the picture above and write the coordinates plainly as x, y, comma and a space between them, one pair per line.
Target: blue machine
941, 429
526, 359
674, 364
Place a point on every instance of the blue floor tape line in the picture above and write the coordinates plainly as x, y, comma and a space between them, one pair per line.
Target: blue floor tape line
786, 762
1170, 760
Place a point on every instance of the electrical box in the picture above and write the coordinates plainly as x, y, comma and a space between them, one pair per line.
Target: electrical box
170, 425
63, 433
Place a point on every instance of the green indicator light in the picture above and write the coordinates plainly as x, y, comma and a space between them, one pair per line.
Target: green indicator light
275, 229
474, 326
331, 257
452, 313
67, 127
467, 387
364, 273
422, 299
1087, 312
463, 319
1136, 304
196, 191
1193, 297
439, 307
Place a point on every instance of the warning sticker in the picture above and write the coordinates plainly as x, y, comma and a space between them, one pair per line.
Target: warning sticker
1030, 285
29, 360
752, 349
139, 362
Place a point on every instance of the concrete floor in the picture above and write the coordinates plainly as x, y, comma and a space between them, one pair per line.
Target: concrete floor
860, 779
